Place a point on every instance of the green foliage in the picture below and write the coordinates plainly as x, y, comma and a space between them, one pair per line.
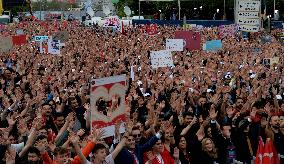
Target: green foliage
14, 10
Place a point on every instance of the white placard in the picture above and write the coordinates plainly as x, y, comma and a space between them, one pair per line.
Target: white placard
245, 21
161, 58
174, 44
248, 28
54, 47
248, 14
249, 6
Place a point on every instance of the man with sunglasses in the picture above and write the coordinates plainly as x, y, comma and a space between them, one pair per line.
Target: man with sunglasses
133, 151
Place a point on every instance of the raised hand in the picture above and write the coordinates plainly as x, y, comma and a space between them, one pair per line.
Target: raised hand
213, 114
176, 153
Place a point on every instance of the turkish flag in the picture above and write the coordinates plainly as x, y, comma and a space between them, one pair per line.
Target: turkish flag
270, 156
192, 39
152, 29
259, 153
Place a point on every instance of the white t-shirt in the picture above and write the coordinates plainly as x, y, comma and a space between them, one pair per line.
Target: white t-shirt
108, 160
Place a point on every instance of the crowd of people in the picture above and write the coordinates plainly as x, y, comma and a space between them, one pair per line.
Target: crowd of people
212, 107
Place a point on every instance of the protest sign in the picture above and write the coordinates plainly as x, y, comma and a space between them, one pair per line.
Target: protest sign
5, 44
213, 45
53, 47
19, 40
174, 44
161, 58
227, 30
20, 32
192, 39
248, 15
63, 36
104, 90
266, 39
270, 61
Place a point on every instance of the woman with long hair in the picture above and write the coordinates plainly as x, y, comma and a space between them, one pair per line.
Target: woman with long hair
184, 155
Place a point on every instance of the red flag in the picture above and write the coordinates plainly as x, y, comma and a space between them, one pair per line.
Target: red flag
64, 24
192, 39
19, 39
259, 153
266, 153
274, 155
152, 29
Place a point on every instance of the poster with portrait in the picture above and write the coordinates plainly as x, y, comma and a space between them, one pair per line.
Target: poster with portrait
104, 114
53, 47
113, 22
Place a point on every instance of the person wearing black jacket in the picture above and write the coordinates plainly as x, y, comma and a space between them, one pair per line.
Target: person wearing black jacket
242, 140
226, 148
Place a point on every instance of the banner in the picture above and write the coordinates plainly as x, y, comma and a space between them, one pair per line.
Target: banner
6, 44
213, 45
248, 15
249, 6
53, 47
40, 38
248, 28
192, 39
150, 29
248, 21
113, 21
102, 92
19, 40
174, 44
189, 26
161, 58
243, 14
227, 30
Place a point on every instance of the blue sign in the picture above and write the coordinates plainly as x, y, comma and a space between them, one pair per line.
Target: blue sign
213, 45
40, 38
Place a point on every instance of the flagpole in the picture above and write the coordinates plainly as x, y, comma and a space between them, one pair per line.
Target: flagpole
139, 10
